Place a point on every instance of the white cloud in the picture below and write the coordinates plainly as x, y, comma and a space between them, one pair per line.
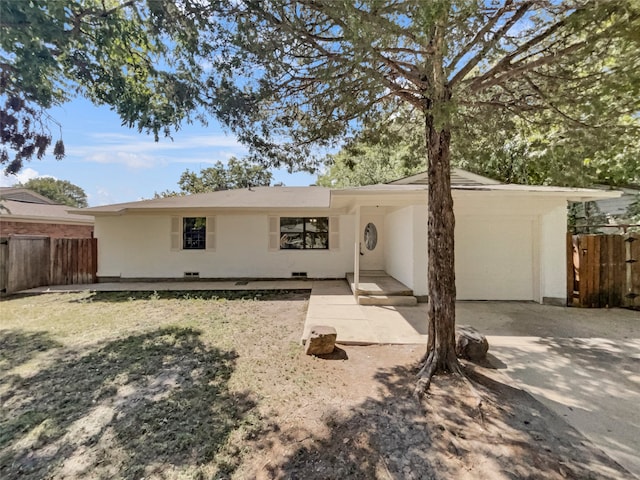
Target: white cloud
143, 152
22, 176
129, 159
101, 197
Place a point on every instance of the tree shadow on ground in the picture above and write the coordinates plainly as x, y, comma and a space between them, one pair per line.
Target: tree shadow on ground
18, 347
258, 295
124, 409
374, 440
446, 435
580, 375
597, 356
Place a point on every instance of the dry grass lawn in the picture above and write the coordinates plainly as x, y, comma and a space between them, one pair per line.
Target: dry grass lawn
192, 385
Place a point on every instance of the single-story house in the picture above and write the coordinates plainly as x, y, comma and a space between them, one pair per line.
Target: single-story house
24, 212
510, 239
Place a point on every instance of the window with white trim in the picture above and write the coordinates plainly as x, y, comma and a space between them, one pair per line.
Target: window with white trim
193, 233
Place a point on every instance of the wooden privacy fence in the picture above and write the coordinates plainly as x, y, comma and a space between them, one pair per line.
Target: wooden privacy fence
603, 270
73, 261
29, 262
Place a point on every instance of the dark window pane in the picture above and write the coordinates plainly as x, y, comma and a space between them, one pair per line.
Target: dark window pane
304, 233
316, 240
319, 224
292, 225
291, 240
194, 233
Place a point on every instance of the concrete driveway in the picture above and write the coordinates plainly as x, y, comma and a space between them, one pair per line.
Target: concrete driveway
584, 364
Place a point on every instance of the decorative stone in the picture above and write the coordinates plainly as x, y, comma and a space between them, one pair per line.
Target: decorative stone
470, 343
321, 340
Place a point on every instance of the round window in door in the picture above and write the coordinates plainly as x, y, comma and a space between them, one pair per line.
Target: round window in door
370, 236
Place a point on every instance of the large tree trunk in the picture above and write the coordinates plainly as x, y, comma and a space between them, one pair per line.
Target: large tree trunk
440, 356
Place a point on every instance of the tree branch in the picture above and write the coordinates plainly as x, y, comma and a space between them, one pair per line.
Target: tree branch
488, 26
490, 44
482, 82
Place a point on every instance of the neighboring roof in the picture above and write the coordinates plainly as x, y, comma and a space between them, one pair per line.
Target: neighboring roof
11, 210
23, 195
255, 197
618, 207
458, 177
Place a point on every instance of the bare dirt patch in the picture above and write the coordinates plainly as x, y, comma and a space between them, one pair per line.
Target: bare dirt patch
195, 385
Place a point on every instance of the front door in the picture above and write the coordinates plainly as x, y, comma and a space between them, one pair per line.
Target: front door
371, 242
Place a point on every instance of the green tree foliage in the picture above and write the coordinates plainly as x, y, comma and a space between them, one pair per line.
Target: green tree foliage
392, 154
305, 74
364, 165
141, 57
541, 151
551, 151
235, 174
60, 191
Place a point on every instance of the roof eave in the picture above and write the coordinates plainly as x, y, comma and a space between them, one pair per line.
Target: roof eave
573, 195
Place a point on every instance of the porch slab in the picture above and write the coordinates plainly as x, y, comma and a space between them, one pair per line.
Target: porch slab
378, 283
387, 300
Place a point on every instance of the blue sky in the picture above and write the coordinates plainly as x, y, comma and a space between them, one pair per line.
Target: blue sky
116, 164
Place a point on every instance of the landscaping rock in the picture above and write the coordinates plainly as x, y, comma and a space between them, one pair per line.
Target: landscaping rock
470, 343
321, 340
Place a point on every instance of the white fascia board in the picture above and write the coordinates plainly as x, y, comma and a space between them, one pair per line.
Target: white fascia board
572, 195
191, 211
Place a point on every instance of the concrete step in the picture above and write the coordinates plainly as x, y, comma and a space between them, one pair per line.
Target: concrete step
380, 284
387, 292
388, 300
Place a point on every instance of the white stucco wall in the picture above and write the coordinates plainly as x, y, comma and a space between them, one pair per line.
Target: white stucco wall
420, 250
495, 257
553, 253
406, 247
510, 248
399, 245
506, 248
138, 246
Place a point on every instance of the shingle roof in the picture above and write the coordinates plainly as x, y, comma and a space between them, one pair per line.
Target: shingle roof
23, 195
458, 177
13, 209
255, 197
